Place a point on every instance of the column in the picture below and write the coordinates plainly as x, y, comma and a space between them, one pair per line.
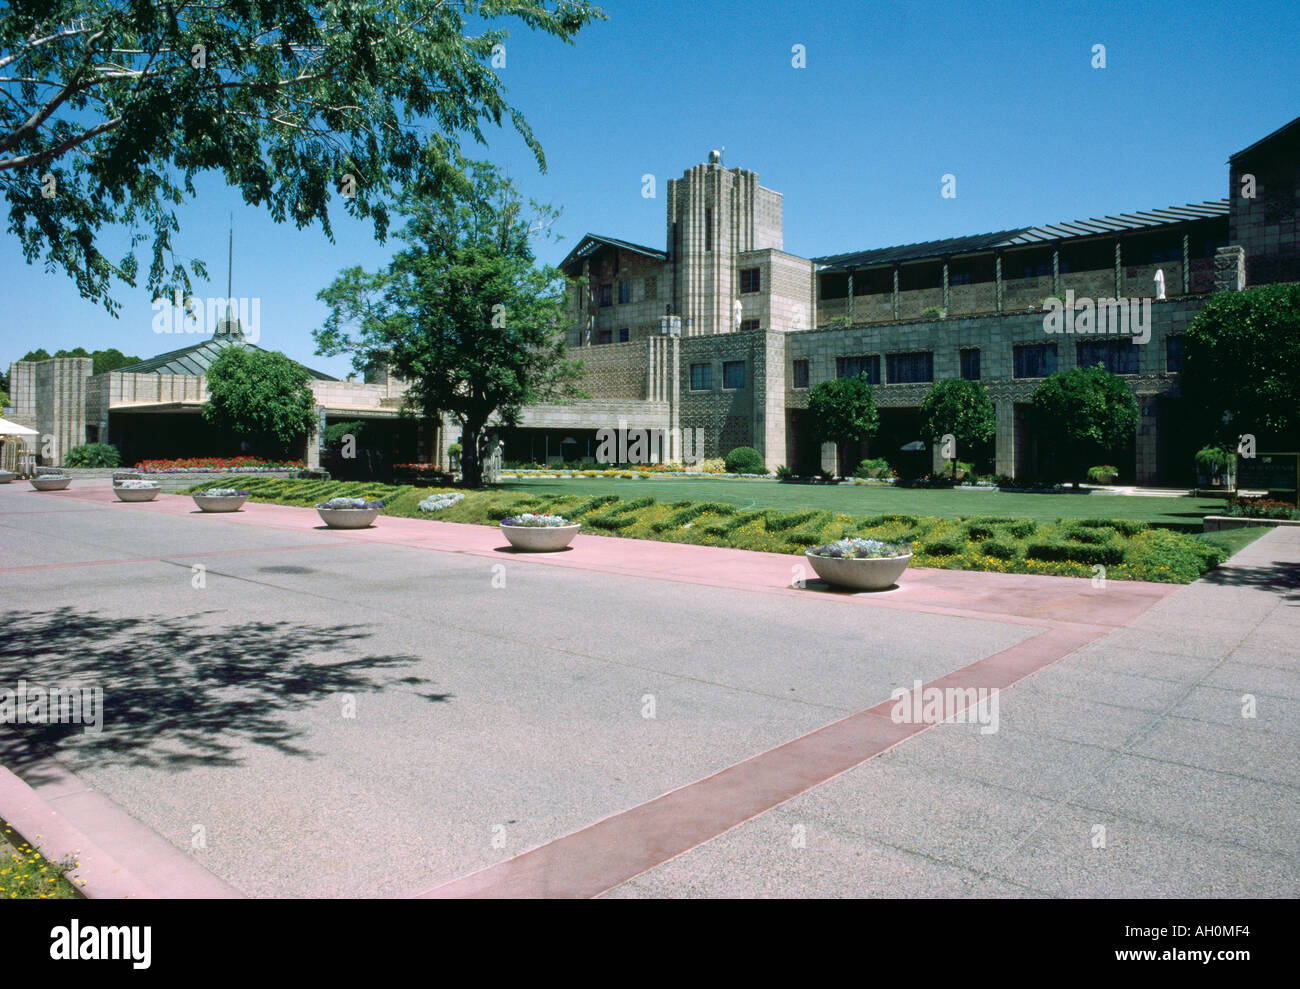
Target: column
945, 285
1119, 269
850, 308
1056, 271
1187, 266
895, 291
997, 277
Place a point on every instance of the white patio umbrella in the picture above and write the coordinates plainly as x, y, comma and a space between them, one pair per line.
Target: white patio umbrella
14, 445
8, 428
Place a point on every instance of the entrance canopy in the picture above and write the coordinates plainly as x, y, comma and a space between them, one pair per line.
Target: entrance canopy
8, 428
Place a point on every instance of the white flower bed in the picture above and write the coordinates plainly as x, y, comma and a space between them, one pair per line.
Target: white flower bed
436, 503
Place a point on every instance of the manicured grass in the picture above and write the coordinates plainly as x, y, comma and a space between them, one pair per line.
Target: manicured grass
25, 874
873, 499
1233, 540
1128, 549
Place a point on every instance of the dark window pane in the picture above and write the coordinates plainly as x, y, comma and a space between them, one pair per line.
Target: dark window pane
607, 295
904, 368
1116, 356
864, 365
1174, 353
701, 377
624, 335
749, 280
604, 336
624, 292
801, 374
1034, 360
733, 374
970, 364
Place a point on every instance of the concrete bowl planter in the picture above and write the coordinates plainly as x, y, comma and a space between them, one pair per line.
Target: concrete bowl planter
859, 573
531, 536
219, 503
349, 513
50, 482
6, 477
136, 493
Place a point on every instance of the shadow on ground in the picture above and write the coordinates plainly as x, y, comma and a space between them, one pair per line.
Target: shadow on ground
1280, 576
178, 694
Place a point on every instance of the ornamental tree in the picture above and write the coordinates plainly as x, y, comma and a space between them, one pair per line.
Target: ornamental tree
463, 313
1241, 365
113, 108
1089, 413
962, 408
261, 396
843, 412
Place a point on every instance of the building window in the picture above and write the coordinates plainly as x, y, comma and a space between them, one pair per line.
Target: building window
651, 286
867, 366
624, 335
1173, 354
959, 278
1034, 360
748, 324
800, 374
970, 364
624, 292
607, 295
749, 280
1116, 356
708, 228
701, 377
733, 374
905, 368
604, 336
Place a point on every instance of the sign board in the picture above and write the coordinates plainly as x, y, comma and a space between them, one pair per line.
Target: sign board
1269, 471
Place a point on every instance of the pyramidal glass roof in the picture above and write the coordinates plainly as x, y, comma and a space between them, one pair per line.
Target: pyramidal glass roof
198, 357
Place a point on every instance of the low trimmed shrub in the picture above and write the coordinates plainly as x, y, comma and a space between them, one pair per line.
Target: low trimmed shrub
998, 549
745, 460
1125, 527
93, 455
874, 468
1087, 553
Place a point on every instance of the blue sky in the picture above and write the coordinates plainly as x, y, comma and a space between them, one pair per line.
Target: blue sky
893, 96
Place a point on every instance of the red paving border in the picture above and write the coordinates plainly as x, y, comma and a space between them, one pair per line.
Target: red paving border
620, 847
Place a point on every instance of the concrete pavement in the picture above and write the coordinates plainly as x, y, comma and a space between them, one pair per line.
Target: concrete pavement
407, 709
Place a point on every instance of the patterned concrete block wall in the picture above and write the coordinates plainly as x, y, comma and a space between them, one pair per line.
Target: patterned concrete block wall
1267, 226
60, 386
726, 415
616, 370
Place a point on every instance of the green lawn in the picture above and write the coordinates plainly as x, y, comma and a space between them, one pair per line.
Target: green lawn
863, 500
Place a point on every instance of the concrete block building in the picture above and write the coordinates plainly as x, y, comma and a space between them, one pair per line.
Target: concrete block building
724, 331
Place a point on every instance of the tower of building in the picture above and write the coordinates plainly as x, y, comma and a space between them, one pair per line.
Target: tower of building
714, 213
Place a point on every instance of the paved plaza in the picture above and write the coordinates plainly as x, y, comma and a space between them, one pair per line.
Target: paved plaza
415, 710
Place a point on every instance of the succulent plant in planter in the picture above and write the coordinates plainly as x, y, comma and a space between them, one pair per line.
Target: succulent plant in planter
349, 513
220, 499
861, 564
50, 480
539, 533
136, 490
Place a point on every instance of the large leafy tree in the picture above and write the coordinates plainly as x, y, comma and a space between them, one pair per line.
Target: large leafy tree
1241, 366
464, 313
843, 412
1089, 412
261, 396
112, 107
962, 408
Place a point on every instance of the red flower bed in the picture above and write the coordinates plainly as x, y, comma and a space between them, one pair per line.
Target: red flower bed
250, 464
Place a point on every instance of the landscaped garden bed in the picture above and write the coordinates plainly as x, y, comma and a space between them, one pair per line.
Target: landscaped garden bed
1128, 549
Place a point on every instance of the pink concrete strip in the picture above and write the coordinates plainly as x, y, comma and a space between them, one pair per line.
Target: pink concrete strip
618, 848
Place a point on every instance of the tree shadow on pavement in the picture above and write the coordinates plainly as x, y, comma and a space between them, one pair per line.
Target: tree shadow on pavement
1282, 576
179, 692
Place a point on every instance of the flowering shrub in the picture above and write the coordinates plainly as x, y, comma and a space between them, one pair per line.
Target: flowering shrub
529, 519
436, 503
1262, 508
350, 503
861, 549
137, 485
234, 464
222, 493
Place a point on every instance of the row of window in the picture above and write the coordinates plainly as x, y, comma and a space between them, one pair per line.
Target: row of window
880, 281
733, 376
607, 336
605, 292
1030, 360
